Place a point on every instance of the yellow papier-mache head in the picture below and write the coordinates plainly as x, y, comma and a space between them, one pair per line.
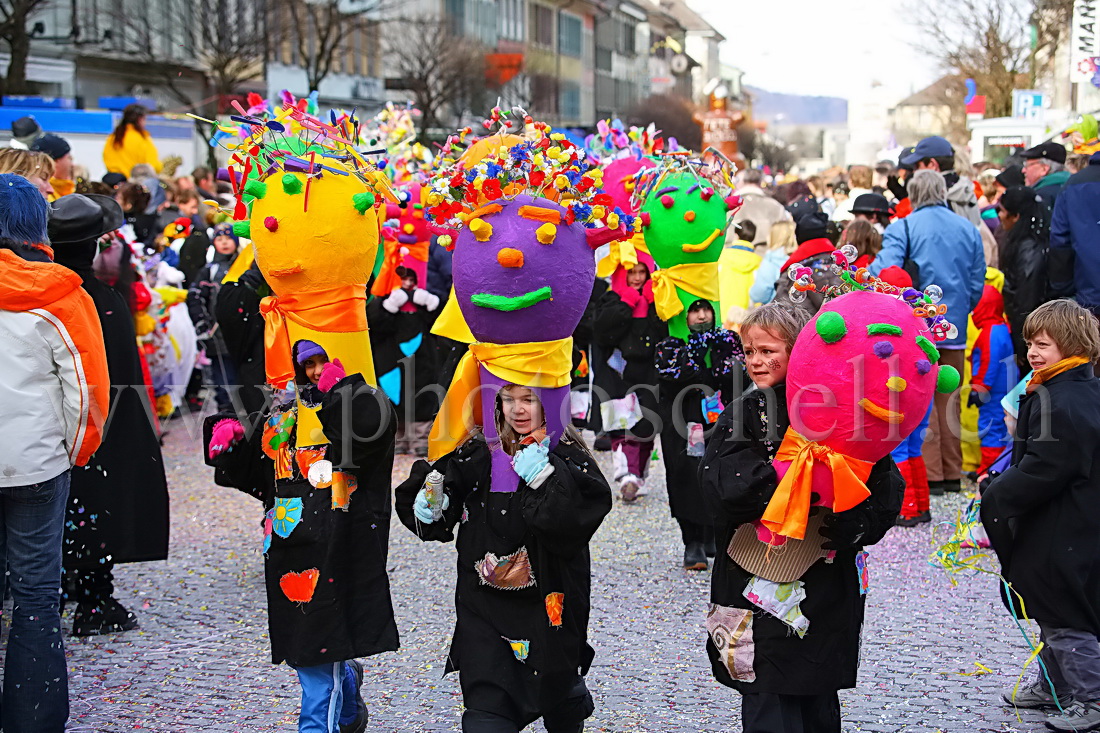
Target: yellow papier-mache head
314, 234
309, 201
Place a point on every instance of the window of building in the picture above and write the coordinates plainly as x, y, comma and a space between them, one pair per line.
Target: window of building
570, 100
543, 21
569, 35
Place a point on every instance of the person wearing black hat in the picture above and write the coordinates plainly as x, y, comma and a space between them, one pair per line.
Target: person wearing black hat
118, 506
815, 250
1044, 170
60, 151
1026, 224
24, 131
872, 207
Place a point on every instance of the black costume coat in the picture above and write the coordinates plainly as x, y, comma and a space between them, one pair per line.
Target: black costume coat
237, 311
350, 614
682, 372
118, 502
1040, 514
615, 327
738, 481
420, 369
555, 524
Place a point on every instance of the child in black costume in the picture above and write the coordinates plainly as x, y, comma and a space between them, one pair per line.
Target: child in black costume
520, 644
787, 671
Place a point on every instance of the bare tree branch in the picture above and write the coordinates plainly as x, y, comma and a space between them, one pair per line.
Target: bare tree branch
444, 72
16, 35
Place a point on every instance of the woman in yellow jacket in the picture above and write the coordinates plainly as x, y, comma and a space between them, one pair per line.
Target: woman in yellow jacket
130, 144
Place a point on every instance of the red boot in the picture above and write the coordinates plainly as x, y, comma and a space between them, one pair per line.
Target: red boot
909, 502
920, 478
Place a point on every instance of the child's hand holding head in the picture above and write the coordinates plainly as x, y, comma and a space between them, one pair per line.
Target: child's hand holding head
1058, 330
768, 334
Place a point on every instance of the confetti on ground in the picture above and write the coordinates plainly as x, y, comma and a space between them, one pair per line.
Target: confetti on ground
201, 660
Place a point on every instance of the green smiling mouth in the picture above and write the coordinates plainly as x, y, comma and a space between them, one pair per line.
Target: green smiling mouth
511, 303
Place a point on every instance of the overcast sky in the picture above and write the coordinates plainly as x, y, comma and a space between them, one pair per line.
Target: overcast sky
822, 47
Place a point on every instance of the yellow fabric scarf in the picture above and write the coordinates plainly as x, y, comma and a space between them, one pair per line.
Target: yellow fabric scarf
789, 507
1047, 373
623, 253
544, 364
698, 278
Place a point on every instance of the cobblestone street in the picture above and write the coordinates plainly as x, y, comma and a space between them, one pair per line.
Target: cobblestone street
200, 660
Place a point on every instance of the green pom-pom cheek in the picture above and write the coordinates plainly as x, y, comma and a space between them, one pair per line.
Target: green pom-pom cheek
831, 327
930, 351
947, 379
242, 229
256, 189
363, 201
292, 185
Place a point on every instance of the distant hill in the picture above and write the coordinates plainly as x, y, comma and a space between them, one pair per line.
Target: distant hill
798, 109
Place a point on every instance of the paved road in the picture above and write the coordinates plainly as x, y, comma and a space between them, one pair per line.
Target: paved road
200, 660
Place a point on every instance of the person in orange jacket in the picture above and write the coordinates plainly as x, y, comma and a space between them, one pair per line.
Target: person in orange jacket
53, 401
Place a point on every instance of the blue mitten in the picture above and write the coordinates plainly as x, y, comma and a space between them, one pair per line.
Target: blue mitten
532, 464
423, 510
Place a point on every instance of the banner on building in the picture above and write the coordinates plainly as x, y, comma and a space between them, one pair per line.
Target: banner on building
1084, 45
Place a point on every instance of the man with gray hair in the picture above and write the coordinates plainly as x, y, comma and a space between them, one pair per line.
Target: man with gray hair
758, 207
947, 251
1044, 170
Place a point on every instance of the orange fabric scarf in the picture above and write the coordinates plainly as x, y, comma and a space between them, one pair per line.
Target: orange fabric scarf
789, 507
1047, 373
387, 278
337, 310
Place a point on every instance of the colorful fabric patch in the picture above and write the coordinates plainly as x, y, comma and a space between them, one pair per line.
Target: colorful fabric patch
287, 514
306, 457
268, 527
320, 475
299, 587
284, 463
780, 600
863, 572
520, 647
712, 408
277, 432
511, 572
555, 603
343, 486
730, 630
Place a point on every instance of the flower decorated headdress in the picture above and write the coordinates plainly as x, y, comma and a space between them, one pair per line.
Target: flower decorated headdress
521, 157
613, 140
394, 129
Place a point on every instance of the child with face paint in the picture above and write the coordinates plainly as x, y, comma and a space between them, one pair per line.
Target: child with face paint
788, 678
695, 377
524, 568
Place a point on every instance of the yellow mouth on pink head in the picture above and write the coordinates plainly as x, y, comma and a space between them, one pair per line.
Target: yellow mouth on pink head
701, 245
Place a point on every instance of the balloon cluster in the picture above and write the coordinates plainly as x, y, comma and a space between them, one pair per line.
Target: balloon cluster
925, 304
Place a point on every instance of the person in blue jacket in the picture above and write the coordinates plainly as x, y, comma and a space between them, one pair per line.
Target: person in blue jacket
947, 249
994, 371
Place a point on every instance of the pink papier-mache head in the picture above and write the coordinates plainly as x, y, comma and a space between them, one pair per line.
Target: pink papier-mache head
862, 375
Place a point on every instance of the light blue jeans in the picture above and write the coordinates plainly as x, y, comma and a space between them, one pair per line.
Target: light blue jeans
329, 697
